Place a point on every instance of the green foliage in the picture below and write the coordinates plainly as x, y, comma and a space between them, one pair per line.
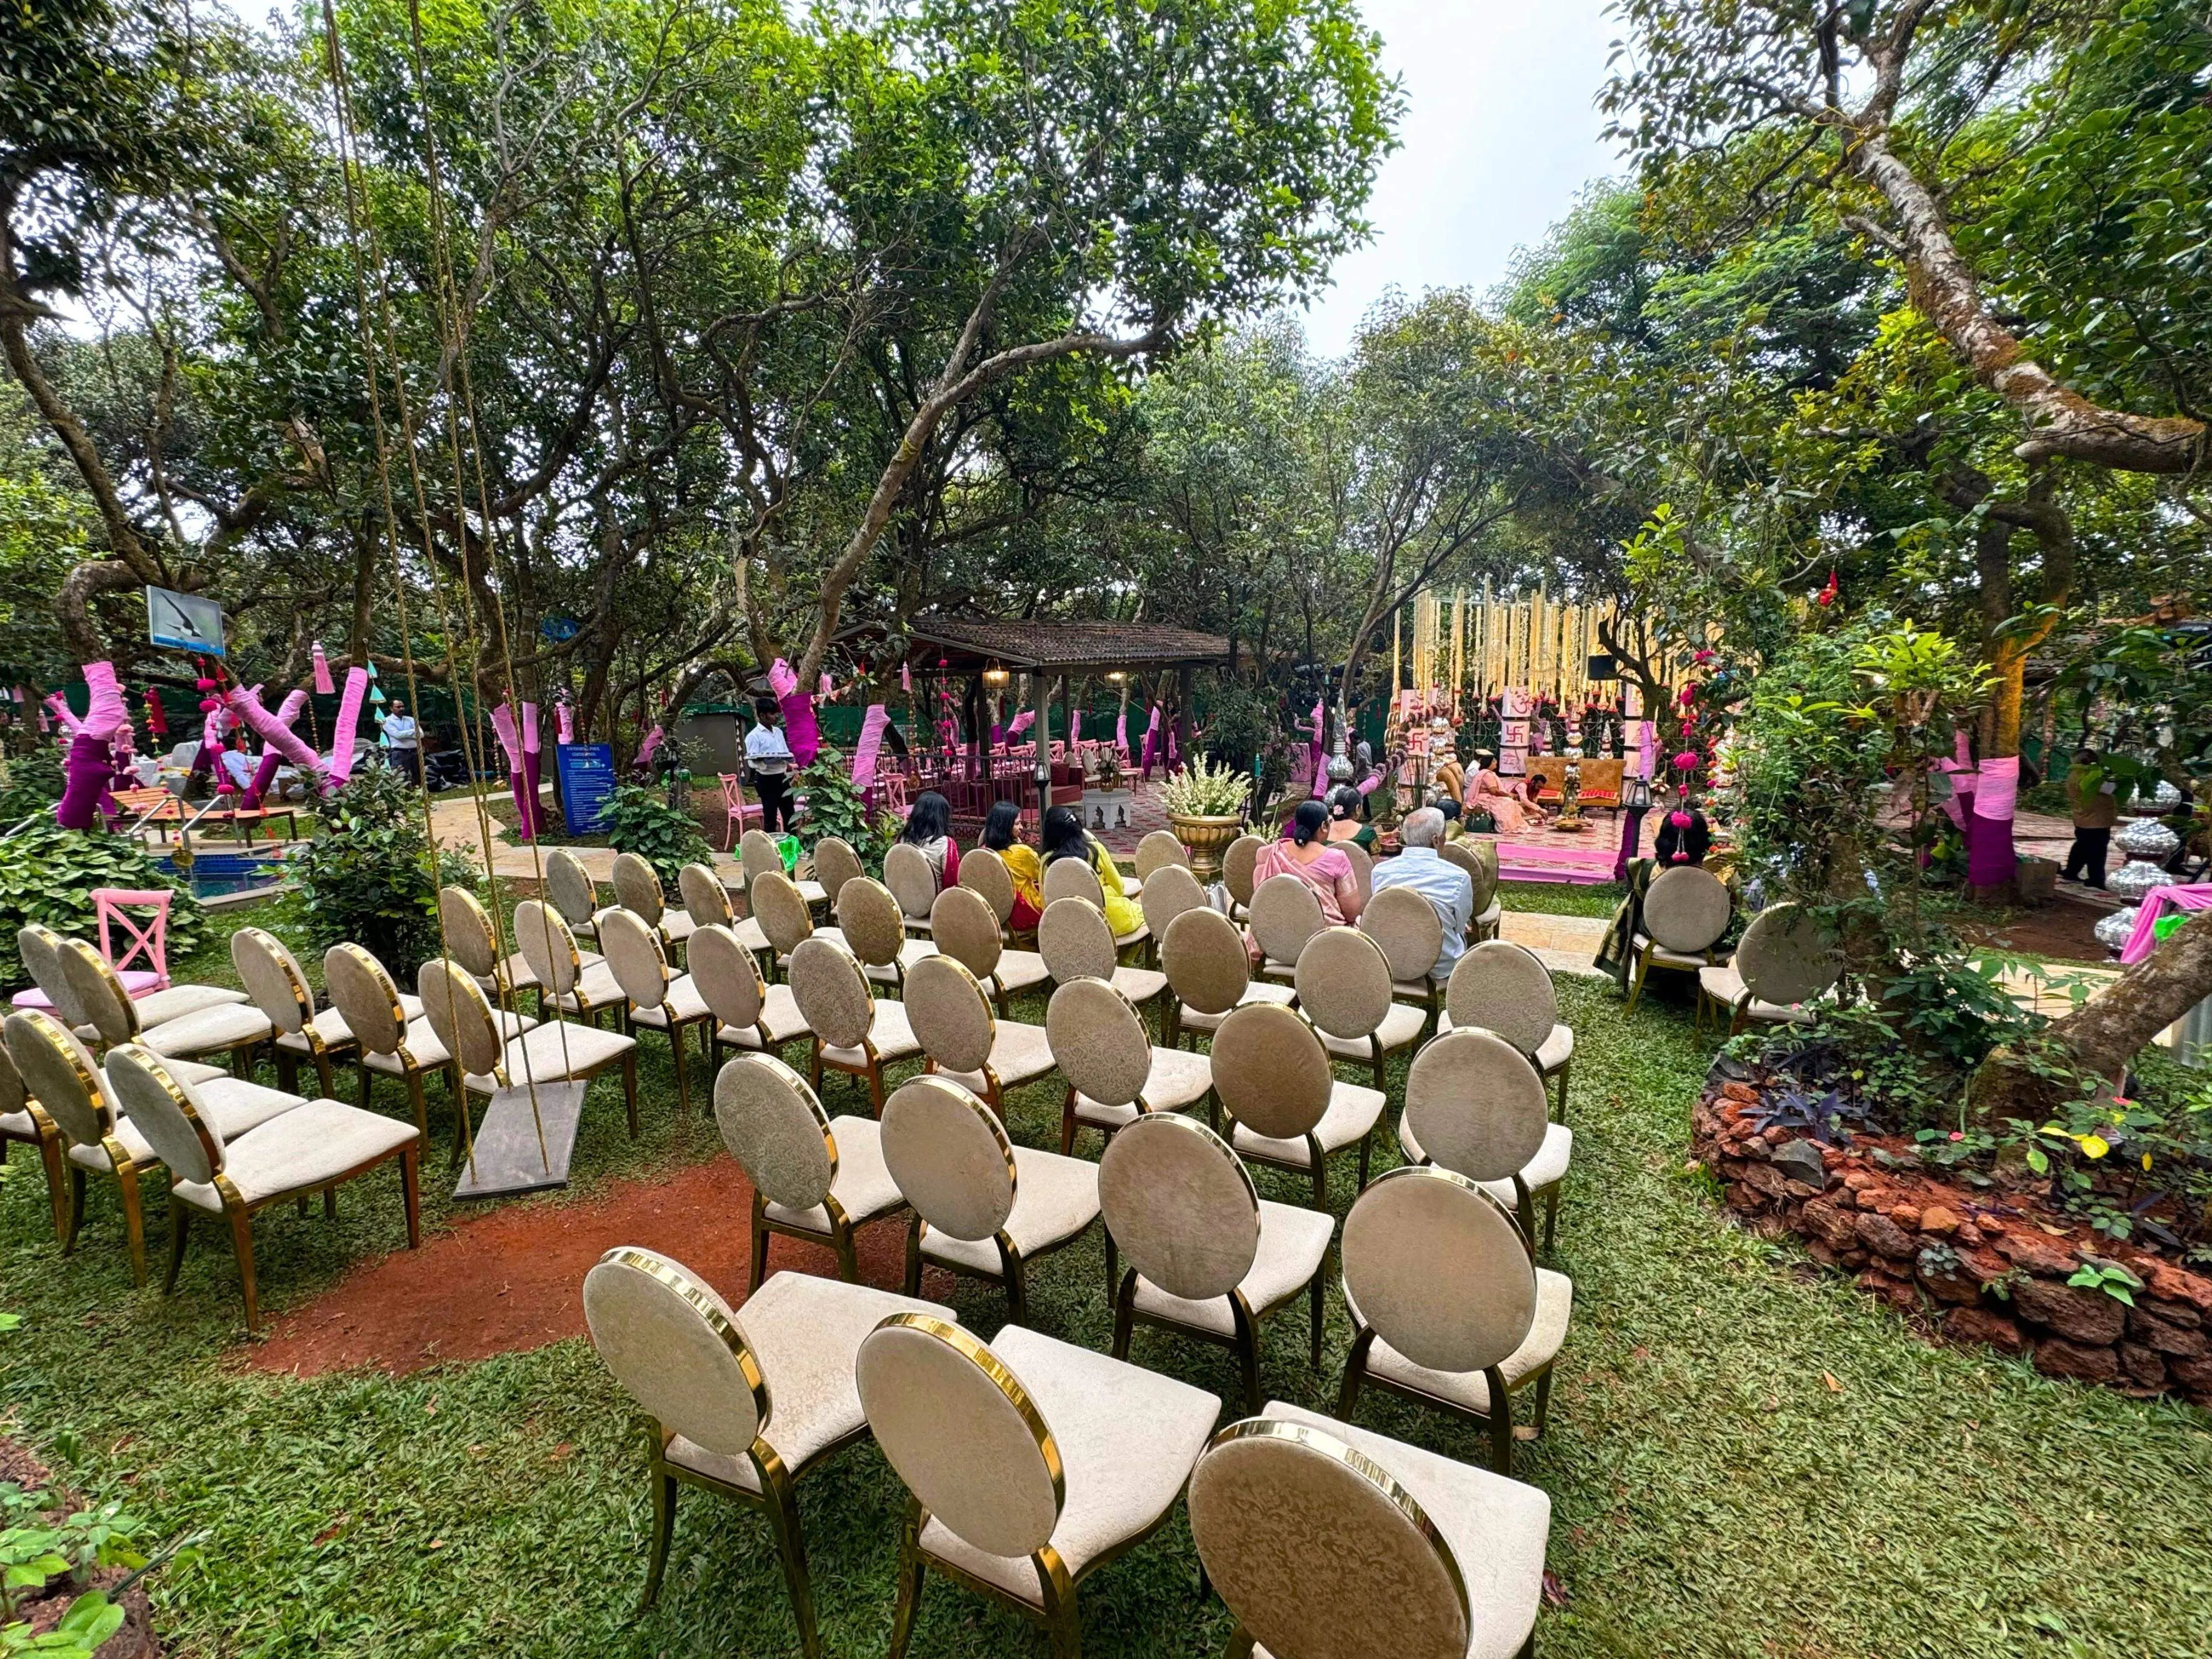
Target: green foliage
369, 877
90, 1620
645, 821
36, 1546
32, 782
834, 807
47, 875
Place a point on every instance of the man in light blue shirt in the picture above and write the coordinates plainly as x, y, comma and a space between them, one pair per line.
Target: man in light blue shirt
1449, 889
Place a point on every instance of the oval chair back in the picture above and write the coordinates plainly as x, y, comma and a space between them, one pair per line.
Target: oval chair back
272, 977
835, 863
1475, 1105
363, 990
466, 927
1317, 1550
635, 955
676, 1349
782, 912
1501, 986
948, 1015
1685, 910
1181, 1206
962, 1433
706, 901
1409, 930
1270, 1070
97, 991
728, 978
570, 886
1784, 958
1074, 878
1099, 1041
550, 948
1439, 1270
773, 1125
962, 927
984, 873
1466, 856
1344, 983
911, 878
1169, 890
759, 854
948, 1154
61, 1075
1363, 867
832, 994
1236, 866
1158, 848
40, 950
637, 887
461, 1017
1207, 964
1074, 940
1284, 915
871, 921
168, 1111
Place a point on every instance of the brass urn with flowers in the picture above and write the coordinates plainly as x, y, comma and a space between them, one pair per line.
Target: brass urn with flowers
1205, 810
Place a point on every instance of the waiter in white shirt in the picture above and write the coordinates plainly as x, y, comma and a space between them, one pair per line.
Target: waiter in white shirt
768, 762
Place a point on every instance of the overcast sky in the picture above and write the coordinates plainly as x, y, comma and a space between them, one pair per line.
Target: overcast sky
1499, 132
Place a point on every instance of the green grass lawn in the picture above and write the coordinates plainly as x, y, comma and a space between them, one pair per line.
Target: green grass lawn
1744, 1458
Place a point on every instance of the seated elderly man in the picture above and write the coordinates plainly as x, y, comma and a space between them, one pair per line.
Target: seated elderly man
1449, 889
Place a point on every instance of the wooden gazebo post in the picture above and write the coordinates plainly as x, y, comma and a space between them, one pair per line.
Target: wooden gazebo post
1040, 691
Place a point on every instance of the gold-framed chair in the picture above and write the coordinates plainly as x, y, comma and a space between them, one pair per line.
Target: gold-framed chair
740, 1408
1411, 934
22, 1119
814, 1177
911, 880
661, 999
783, 915
1206, 1254
759, 855
1448, 1307
1075, 943
1237, 865
471, 939
1476, 1106
1686, 914
1169, 890
1783, 964
1031, 1463
233, 1030
38, 947
1209, 973
1505, 987
963, 925
1480, 860
706, 899
311, 1147
748, 1013
1284, 915
638, 890
1343, 982
267, 969
1115, 1073
1155, 850
835, 863
1285, 1107
952, 1019
466, 1026
853, 1031
387, 1041
1072, 878
876, 930
572, 892
567, 984
983, 872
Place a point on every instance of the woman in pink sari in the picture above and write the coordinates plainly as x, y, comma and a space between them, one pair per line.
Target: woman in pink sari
1306, 853
1488, 792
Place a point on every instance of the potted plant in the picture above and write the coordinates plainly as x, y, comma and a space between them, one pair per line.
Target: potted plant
1205, 810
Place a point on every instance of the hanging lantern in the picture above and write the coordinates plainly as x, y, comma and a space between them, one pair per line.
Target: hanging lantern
998, 679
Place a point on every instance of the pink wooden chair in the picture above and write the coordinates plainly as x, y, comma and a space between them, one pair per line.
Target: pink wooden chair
112, 907
735, 807
893, 784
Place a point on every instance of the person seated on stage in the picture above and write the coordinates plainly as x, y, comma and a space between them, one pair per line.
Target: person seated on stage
1449, 889
1345, 822
1684, 837
1063, 838
1002, 833
1488, 792
1308, 854
929, 826
1450, 779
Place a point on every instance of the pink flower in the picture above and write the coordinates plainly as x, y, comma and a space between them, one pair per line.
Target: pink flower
1701, 656
1958, 1134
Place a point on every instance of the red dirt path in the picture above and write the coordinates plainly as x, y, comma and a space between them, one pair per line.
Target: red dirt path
510, 1279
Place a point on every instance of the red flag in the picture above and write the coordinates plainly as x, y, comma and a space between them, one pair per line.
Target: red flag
1826, 596
157, 718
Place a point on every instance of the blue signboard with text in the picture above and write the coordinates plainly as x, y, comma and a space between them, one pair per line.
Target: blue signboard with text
587, 783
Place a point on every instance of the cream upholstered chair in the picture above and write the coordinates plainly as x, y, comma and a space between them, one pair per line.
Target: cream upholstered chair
983, 872
1343, 986
1475, 1105
466, 1025
638, 888
835, 863
1237, 871
1448, 1308
21, 1118
875, 931
1209, 973
471, 939
313, 1146
982, 1206
912, 882
1480, 860
853, 1031
1327, 1540
952, 1021
1501, 986
1271, 1073
1075, 942
963, 925
748, 1013
706, 901
781, 916
572, 891
1169, 890
1115, 1073
813, 1177
1284, 915
1031, 1463
1160, 847
1206, 1253
267, 967
661, 999
39, 948
566, 983
1363, 867
61, 1077
758, 854
1071, 878
1685, 912
738, 1404
1412, 935
1781, 963
387, 1042
233, 1030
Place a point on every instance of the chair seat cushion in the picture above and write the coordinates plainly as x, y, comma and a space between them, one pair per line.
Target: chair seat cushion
1555, 1051
1353, 1109
833, 934
1293, 1241
1493, 917
1020, 970
159, 1007
1495, 1527
812, 891
804, 1332
596, 988
555, 1050
1055, 1198
676, 925
1134, 936
1178, 1078
1260, 990
429, 1054
683, 997
331, 1028
910, 952
315, 1142
863, 1187
1549, 1164
752, 936
1470, 1390
780, 1017
1663, 958
226, 1025
893, 1037
1132, 888
1401, 1026
1723, 983
1019, 1054
18, 1125
235, 1108
1139, 985
1418, 989
1127, 1438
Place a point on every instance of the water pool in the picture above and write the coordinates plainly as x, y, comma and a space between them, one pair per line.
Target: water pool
216, 875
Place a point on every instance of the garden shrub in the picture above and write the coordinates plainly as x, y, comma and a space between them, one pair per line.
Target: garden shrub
47, 875
370, 877
644, 821
834, 807
30, 782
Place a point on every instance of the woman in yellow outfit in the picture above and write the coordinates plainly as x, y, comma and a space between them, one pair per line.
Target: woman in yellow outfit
1002, 834
1063, 837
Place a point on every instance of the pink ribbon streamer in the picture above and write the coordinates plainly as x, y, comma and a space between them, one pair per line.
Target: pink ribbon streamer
1074, 728
342, 739
865, 753
264, 775
1023, 722
2156, 905
323, 686
564, 719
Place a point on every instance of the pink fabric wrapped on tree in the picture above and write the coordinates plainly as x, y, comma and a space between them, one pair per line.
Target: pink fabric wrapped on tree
342, 740
91, 761
800, 729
